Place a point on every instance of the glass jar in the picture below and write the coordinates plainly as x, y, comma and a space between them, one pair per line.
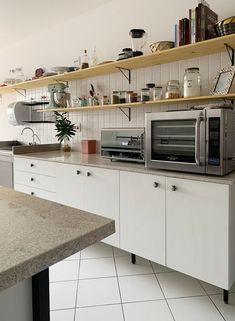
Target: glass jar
115, 99
192, 82
131, 97
104, 100
145, 94
157, 93
172, 89
123, 96
151, 87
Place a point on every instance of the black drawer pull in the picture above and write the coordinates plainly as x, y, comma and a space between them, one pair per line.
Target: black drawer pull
32, 179
31, 165
32, 193
78, 172
88, 174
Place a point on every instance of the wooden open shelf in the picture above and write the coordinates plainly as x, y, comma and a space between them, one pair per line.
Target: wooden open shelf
141, 104
198, 49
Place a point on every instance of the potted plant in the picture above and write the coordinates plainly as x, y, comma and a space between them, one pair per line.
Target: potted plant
65, 130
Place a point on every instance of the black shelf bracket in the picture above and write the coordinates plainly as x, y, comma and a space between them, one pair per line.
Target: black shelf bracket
21, 92
230, 51
128, 115
126, 73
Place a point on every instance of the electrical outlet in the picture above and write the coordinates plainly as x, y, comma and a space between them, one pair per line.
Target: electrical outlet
78, 127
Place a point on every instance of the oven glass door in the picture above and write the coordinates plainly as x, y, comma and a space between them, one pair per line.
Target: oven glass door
174, 140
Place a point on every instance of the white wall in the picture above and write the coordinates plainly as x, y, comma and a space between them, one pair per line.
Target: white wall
107, 29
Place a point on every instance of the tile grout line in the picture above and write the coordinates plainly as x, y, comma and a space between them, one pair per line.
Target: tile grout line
76, 297
163, 292
119, 289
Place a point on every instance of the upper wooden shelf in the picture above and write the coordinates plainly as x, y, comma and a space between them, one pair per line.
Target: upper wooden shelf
142, 104
198, 49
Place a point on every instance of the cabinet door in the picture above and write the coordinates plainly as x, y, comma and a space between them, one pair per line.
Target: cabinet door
69, 185
142, 215
197, 229
101, 196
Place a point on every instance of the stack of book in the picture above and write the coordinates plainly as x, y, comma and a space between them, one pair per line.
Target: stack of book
198, 26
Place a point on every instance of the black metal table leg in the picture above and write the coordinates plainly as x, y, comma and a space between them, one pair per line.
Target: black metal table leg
226, 295
133, 258
41, 298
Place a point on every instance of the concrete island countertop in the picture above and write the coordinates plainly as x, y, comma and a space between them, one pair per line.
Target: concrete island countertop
36, 233
95, 160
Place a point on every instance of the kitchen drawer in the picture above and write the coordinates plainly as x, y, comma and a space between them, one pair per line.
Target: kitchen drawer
34, 166
50, 196
34, 180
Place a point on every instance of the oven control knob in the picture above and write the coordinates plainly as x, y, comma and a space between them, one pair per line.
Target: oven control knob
173, 188
155, 184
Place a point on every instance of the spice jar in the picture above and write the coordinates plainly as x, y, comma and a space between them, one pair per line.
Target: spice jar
131, 97
192, 82
104, 100
115, 97
122, 96
145, 94
157, 93
172, 89
151, 87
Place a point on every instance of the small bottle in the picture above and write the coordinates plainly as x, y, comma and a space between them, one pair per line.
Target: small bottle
115, 99
94, 58
151, 87
157, 93
85, 60
104, 100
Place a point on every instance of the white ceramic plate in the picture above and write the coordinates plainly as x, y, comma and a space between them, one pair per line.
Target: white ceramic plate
60, 69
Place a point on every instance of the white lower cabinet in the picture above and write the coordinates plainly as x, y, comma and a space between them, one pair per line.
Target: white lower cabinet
197, 229
142, 215
91, 189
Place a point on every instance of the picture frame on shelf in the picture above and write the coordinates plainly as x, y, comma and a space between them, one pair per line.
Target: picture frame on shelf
224, 81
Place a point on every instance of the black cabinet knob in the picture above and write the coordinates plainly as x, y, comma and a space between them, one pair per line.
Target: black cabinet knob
173, 188
78, 172
155, 184
32, 179
88, 174
32, 193
31, 165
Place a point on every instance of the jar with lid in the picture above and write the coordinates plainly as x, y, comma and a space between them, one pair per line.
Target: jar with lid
122, 97
132, 97
104, 100
192, 82
151, 87
172, 89
157, 93
145, 94
115, 99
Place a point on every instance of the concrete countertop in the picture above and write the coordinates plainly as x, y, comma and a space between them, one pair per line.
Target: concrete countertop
95, 160
36, 233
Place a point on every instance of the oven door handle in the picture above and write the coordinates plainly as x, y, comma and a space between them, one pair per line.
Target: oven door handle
197, 140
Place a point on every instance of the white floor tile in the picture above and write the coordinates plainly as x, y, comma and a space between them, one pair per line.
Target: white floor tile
97, 268
125, 267
149, 311
63, 295
119, 252
97, 250
100, 313
75, 256
176, 285
64, 271
158, 268
227, 310
98, 292
139, 288
62, 315
194, 309
210, 289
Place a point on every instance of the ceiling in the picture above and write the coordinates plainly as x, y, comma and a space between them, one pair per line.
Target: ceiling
24, 18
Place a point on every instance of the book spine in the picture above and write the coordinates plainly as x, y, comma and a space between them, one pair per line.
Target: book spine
176, 35
203, 23
183, 31
180, 32
186, 32
198, 24
193, 27
190, 22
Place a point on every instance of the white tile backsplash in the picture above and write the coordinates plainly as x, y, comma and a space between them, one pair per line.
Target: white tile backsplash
93, 121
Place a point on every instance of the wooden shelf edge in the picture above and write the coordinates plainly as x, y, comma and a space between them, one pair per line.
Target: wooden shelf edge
140, 104
197, 49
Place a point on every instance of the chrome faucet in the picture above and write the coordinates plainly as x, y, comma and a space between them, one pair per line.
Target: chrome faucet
33, 135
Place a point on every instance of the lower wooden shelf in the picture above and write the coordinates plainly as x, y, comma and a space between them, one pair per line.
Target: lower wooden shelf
141, 104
